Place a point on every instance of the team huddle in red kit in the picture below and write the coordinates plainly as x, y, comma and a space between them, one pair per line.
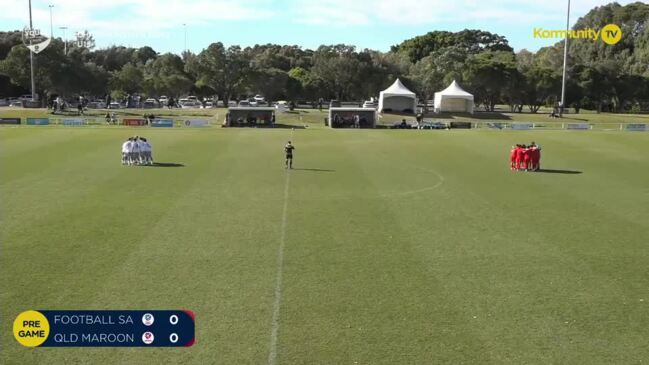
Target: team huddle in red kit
526, 158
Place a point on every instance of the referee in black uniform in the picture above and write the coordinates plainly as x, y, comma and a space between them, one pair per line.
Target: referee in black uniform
289, 154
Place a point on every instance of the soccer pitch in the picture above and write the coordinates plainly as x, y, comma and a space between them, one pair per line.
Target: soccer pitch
381, 247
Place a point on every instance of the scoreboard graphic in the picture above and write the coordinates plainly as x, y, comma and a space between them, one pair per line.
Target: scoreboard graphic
154, 328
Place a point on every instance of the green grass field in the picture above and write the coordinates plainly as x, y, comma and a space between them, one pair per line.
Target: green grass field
396, 247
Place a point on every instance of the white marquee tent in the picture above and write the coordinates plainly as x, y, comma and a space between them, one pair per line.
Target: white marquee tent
453, 99
397, 98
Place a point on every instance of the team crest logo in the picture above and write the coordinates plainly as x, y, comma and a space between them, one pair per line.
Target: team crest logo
147, 338
147, 319
34, 40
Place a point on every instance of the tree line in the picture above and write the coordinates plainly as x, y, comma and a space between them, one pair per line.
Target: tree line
600, 76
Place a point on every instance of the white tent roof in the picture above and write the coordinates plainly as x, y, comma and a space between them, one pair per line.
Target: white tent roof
454, 90
397, 98
453, 99
397, 89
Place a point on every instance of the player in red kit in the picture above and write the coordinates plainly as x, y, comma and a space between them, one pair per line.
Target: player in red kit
519, 156
527, 152
512, 157
537, 157
530, 164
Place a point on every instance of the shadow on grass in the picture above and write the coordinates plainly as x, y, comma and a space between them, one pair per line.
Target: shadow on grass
487, 115
567, 172
314, 170
570, 118
264, 126
285, 126
165, 164
476, 115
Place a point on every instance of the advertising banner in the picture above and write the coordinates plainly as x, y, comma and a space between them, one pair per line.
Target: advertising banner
196, 123
72, 121
38, 121
162, 123
9, 120
578, 126
636, 127
522, 126
134, 122
497, 125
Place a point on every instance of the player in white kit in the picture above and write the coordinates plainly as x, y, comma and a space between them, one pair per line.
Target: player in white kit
135, 152
148, 157
125, 151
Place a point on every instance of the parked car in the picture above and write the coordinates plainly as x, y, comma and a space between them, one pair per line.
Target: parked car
430, 125
16, 103
282, 106
259, 99
190, 105
114, 105
163, 100
244, 103
370, 104
97, 104
150, 103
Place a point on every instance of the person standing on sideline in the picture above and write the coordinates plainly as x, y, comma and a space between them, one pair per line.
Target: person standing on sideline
289, 154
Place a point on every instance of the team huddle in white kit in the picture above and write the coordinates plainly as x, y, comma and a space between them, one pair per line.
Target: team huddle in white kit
136, 151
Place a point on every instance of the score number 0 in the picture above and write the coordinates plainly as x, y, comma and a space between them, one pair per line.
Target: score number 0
173, 319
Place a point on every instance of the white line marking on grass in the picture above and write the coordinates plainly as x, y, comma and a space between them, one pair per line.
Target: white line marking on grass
418, 191
272, 356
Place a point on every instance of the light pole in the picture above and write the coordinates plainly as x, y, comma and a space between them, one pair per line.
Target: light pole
31, 54
51, 24
185, 30
65, 41
565, 63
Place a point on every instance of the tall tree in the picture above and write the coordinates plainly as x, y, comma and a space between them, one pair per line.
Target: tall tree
129, 79
338, 67
472, 41
488, 74
224, 70
165, 75
426, 78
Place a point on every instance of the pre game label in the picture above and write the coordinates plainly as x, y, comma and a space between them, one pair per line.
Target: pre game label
105, 328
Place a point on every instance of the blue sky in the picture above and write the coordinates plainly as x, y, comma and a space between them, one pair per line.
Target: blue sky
374, 24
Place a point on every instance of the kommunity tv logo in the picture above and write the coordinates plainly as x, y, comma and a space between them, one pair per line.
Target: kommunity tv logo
610, 34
